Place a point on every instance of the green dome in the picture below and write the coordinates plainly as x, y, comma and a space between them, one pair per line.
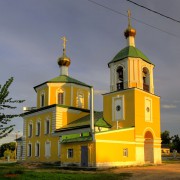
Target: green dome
130, 51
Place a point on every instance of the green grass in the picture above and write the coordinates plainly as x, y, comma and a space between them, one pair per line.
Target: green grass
16, 171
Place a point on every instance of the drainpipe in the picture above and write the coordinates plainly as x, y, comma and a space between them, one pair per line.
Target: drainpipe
92, 111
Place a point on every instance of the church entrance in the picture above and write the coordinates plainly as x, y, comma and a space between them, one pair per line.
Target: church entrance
148, 148
84, 156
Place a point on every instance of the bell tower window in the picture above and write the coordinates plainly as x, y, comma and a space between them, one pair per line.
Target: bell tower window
145, 79
120, 78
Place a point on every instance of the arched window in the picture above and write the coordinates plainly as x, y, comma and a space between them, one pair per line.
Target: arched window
61, 98
80, 100
120, 78
145, 79
42, 99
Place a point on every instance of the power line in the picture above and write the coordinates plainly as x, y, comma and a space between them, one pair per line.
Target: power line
142, 22
168, 17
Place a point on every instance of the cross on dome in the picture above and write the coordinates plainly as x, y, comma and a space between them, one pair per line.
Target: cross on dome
129, 18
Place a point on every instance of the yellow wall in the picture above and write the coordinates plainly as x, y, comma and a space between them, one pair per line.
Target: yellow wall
44, 90
41, 139
71, 92
110, 145
129, 110
113, 152
77, 153
141, 125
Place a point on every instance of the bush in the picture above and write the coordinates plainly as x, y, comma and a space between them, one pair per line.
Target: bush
9, 153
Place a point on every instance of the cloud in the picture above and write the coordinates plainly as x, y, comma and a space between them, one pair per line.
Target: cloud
168, 106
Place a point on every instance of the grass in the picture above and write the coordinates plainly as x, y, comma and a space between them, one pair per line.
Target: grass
16, 171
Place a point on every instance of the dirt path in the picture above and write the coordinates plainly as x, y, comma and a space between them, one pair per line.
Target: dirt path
161, 172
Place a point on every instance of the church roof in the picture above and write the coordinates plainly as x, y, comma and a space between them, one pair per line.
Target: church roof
64, 79
85, 122
129, 51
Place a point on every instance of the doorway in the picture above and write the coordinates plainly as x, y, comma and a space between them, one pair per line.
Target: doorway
148, 148
84, 156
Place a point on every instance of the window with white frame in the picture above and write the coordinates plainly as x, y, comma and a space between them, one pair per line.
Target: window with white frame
29, 150
148, 109
47, 126
118, 108
42, 100
125, 152
30, 129
80, 100
37, 149
47, 148
70, 153
60, 98
38, 128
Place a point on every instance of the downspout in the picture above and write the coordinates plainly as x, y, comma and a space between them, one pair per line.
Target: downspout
92, 111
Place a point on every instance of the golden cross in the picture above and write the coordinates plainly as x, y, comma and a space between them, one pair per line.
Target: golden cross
64, 42
129, 18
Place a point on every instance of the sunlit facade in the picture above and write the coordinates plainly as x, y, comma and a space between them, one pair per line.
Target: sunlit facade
64, 127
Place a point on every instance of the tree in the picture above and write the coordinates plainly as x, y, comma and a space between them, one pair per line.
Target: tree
7, 146
176, 142
6, 104
165, 136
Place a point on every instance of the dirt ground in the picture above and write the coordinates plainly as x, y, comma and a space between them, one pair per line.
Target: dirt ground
160, 172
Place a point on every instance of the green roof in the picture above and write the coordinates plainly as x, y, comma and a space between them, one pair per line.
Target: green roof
64, 79
85, 122
78, 139
129, 51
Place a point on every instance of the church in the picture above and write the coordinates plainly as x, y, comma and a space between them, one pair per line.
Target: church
64, 127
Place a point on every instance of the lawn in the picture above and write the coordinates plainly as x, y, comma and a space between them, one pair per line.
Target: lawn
17, 171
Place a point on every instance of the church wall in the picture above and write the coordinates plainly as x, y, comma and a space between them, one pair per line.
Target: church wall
128, 109
113, 153
135, 74
76, 159
42, 138
118, 147
40, 91
63, 116
147, 119
54, 88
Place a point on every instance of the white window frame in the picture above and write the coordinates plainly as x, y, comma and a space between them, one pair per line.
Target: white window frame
46, 151
29, 150
37, 154
80, 93
150, 109
70, 153
30, 130
42, 94
38, 122
114, 108
45, 126
60, 90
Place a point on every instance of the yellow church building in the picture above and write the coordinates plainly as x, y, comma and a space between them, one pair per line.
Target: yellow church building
65, 128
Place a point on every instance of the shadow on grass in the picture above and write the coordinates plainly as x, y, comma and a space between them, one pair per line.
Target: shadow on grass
16, 171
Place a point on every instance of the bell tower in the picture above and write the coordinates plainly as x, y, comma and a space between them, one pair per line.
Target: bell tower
130, 67
131, 102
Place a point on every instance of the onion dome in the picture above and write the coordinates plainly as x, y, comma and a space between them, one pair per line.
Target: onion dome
64, 60
129, 31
